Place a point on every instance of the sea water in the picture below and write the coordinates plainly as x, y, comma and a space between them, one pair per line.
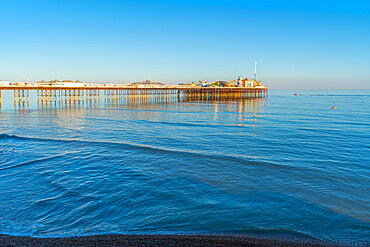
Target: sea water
288, 164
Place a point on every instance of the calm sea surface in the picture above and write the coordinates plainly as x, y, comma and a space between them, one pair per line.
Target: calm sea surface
285, 164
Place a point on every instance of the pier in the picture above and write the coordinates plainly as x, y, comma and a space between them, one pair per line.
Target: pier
55, 94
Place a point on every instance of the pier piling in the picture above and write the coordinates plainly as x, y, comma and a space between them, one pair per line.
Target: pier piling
21, 96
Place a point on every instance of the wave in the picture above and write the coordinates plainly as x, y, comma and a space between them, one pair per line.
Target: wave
251, 160
197, 124
5, 136
34, 161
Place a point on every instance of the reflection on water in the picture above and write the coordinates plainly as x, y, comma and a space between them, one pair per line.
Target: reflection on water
242, 105
253, 106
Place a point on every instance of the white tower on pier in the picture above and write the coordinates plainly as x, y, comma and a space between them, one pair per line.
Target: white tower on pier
255, 71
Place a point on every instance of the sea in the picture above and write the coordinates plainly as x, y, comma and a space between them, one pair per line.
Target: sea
287, 164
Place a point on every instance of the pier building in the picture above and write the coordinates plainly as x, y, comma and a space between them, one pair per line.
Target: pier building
56, 83
147, 83
4, 83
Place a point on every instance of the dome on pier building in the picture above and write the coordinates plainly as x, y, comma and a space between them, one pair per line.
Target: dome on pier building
56, 80
147, 83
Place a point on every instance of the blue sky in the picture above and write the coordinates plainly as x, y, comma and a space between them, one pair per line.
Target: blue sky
297, 44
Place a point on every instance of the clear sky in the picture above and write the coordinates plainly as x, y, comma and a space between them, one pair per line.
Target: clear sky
297, 44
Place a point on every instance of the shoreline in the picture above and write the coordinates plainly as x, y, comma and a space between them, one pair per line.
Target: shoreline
163, 240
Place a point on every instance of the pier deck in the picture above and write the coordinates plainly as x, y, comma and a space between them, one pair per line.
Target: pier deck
56, 94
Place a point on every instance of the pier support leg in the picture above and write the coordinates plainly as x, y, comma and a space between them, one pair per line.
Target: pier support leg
21, 96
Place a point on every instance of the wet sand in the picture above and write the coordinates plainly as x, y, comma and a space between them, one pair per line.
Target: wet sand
158, 240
